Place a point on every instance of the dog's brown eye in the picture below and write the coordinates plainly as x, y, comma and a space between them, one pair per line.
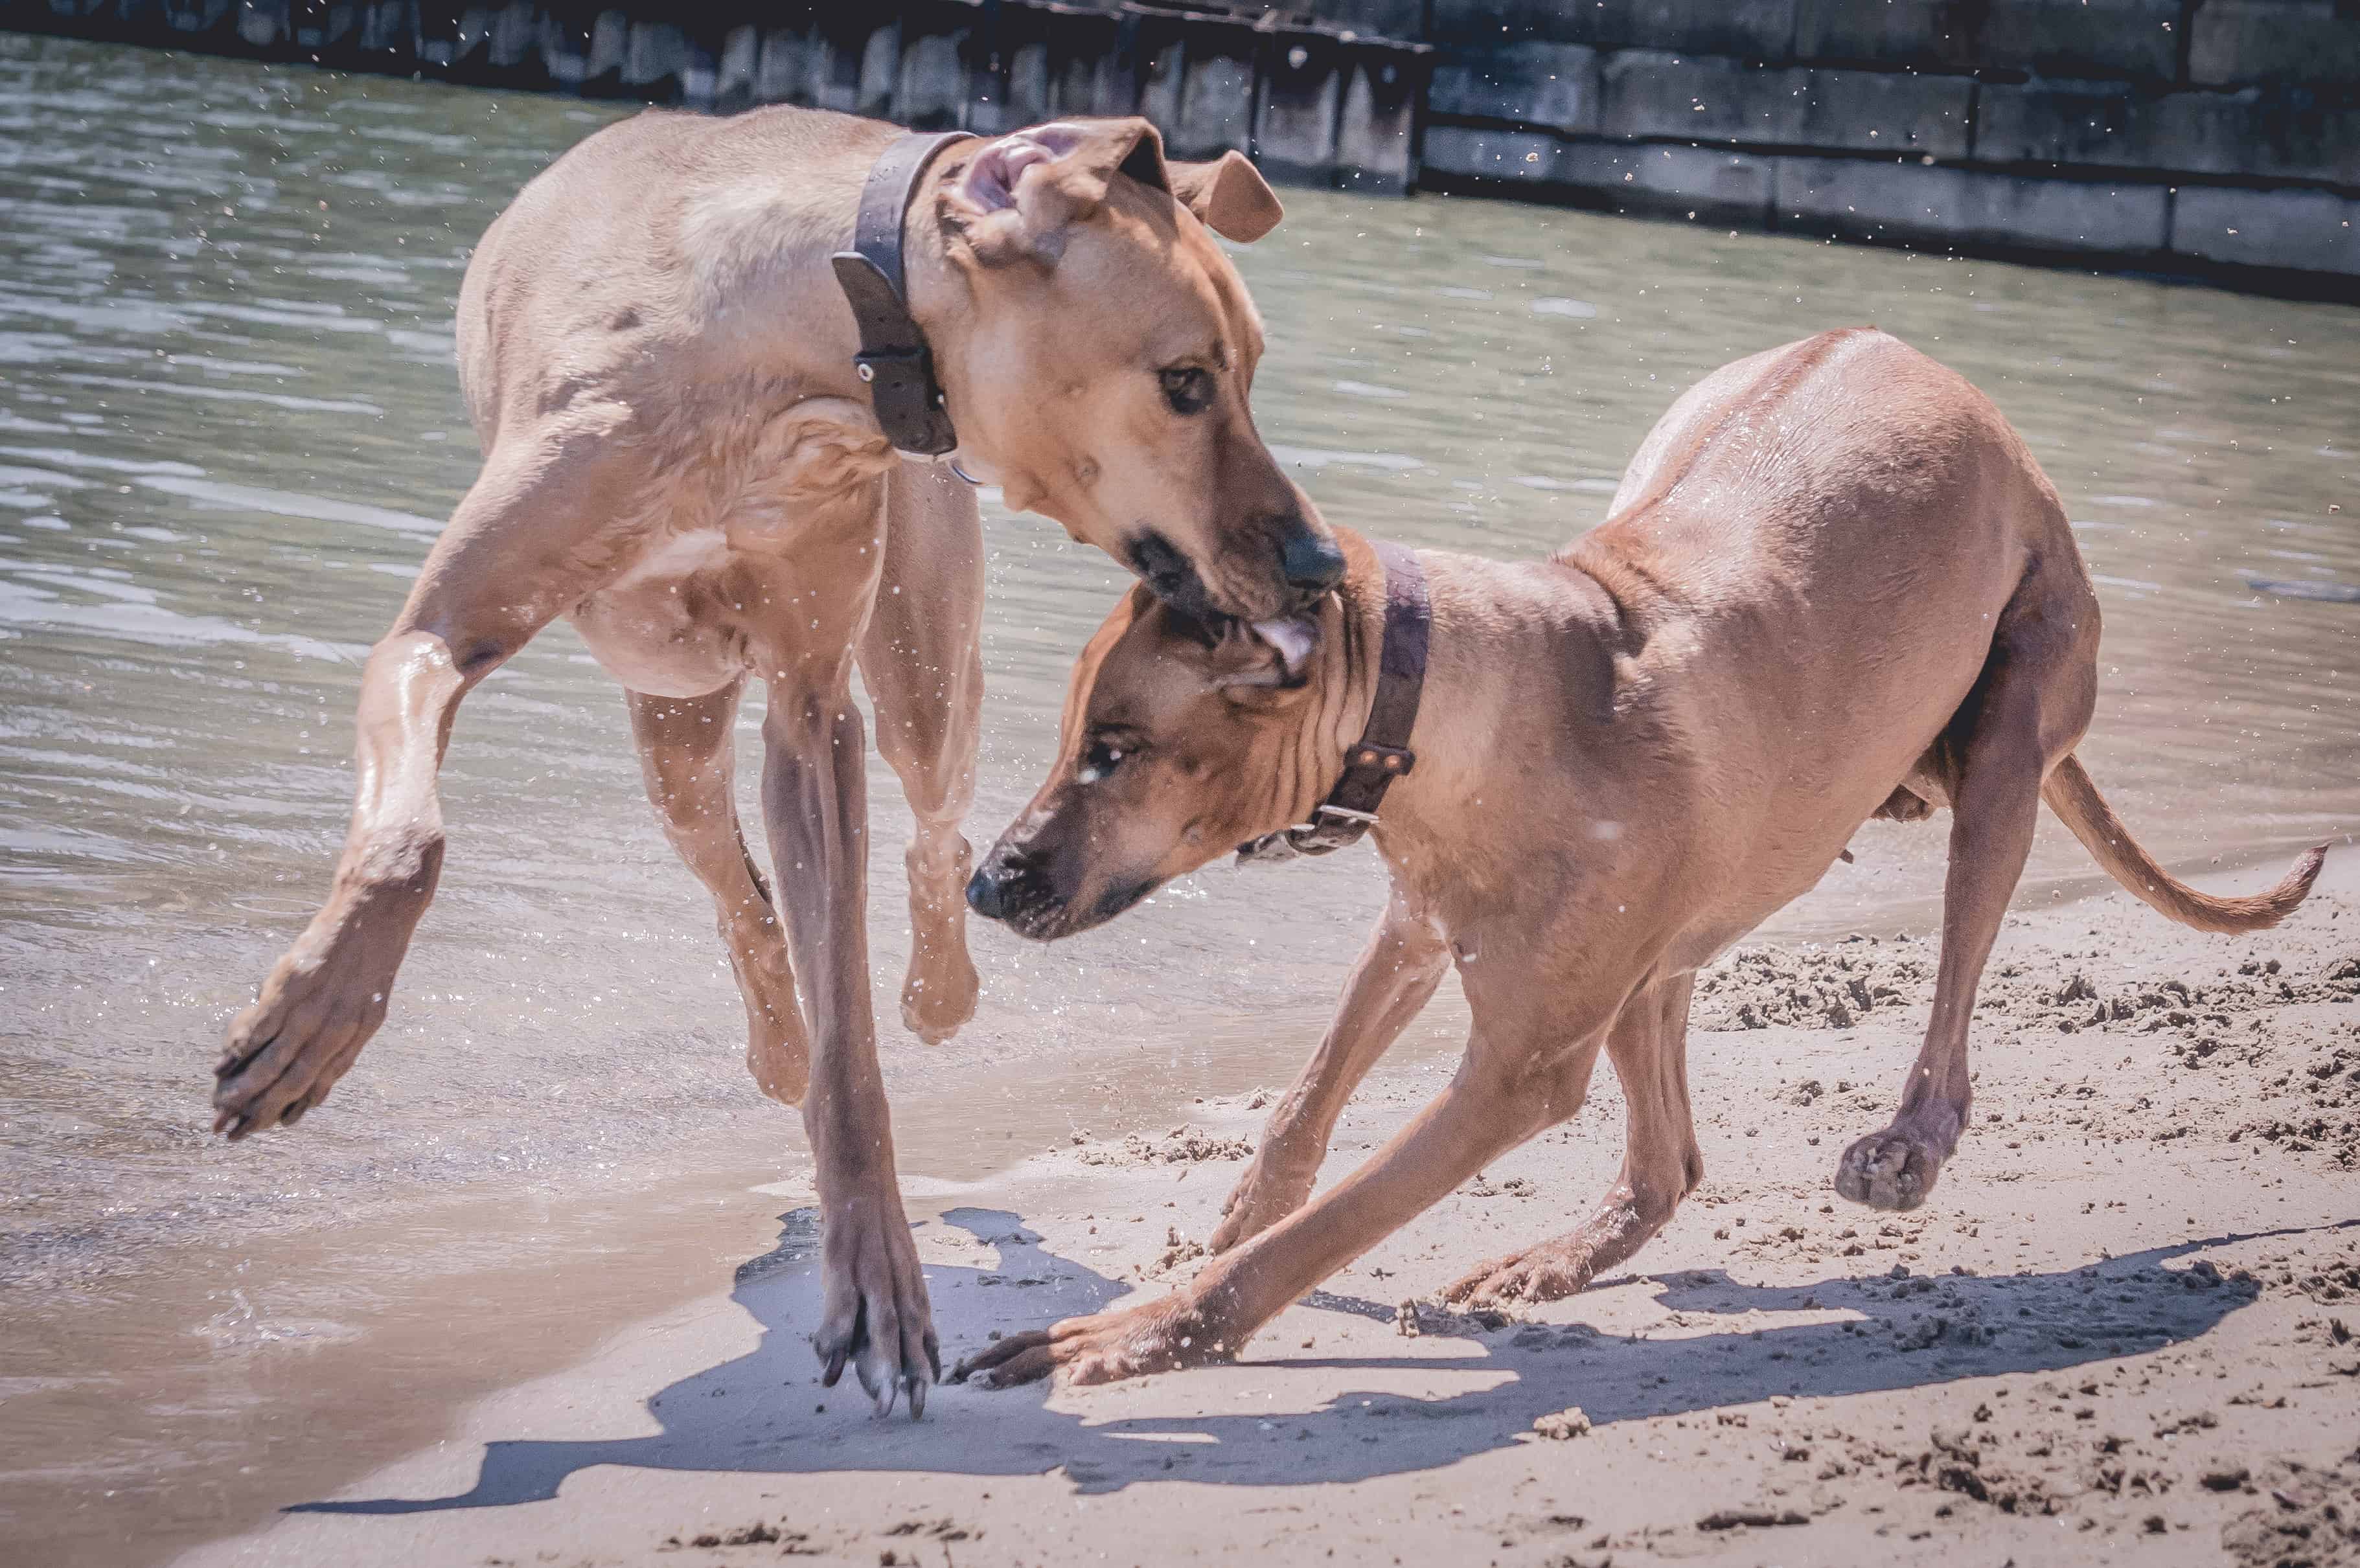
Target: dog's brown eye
1187, 388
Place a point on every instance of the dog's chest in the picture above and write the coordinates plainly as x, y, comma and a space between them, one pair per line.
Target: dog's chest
698, 607
761, 551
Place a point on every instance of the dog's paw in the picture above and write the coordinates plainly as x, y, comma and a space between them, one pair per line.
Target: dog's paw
939, 993
286, 1052
1549, 1272
1104, 1347
874, 1316
939, 996
1888, 1170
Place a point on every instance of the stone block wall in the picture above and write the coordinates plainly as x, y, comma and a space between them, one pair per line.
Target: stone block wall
2212, 138
1314, 99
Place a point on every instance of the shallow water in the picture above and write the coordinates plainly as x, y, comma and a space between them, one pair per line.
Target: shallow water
229, 428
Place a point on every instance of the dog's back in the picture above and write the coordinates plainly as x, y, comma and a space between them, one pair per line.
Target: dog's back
1816, 544
663, 232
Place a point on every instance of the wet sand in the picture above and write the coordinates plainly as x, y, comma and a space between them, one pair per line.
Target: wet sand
2050, 1360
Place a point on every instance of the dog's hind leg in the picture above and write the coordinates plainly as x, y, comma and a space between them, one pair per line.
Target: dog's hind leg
923, 663
1394, 977
2027, 712
1661, 1162
688, 755
537, 531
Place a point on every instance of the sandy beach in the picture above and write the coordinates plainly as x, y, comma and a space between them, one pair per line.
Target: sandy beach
2122, 1328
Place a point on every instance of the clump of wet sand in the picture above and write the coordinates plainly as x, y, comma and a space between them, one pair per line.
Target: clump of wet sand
1187, 1144
1812, 987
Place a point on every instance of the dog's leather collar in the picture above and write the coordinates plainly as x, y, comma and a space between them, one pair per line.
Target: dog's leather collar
1382, 753
893, 359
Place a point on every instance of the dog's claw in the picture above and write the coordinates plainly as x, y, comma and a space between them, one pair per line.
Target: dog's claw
1006, 1362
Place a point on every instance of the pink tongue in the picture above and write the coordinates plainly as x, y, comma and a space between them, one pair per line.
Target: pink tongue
1291, 638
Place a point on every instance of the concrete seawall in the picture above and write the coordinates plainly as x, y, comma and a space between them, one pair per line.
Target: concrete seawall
1315, 103
2208, 139
2216, 138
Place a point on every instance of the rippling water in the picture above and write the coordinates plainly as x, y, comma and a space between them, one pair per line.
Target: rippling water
229, 427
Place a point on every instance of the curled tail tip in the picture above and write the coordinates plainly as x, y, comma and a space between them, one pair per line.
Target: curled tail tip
2282, 900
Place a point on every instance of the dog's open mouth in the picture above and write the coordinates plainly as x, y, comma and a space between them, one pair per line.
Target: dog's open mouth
1292, 639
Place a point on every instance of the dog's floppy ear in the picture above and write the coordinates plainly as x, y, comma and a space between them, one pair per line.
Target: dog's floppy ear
1014, 195
1228, 196
1265, 654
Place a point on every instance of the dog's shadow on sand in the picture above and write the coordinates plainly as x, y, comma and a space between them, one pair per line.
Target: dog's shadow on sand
756, 1414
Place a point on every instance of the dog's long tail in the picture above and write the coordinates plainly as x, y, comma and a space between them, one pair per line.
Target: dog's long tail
2076, 800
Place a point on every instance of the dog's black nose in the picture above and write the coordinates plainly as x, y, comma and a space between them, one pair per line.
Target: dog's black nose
1312, 564
983, 892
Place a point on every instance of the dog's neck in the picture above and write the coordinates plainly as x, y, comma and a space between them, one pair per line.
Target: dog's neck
1343, 678
1583, 622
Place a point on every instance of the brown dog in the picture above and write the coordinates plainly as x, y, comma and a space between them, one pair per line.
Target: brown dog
1834, 585
680, 457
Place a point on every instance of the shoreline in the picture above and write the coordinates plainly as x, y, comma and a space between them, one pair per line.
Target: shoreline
1894, 1352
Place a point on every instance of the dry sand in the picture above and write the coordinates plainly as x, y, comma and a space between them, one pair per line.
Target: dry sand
2122, 1329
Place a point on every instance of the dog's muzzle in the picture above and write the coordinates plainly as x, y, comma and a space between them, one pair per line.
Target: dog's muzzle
1311, 564
1011, 886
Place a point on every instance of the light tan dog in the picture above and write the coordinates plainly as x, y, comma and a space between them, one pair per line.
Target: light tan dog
679, 457
1834, 586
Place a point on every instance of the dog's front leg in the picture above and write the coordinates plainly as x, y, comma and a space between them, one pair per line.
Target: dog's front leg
535, 532
874, 1313
1527, 1067
1391, 983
